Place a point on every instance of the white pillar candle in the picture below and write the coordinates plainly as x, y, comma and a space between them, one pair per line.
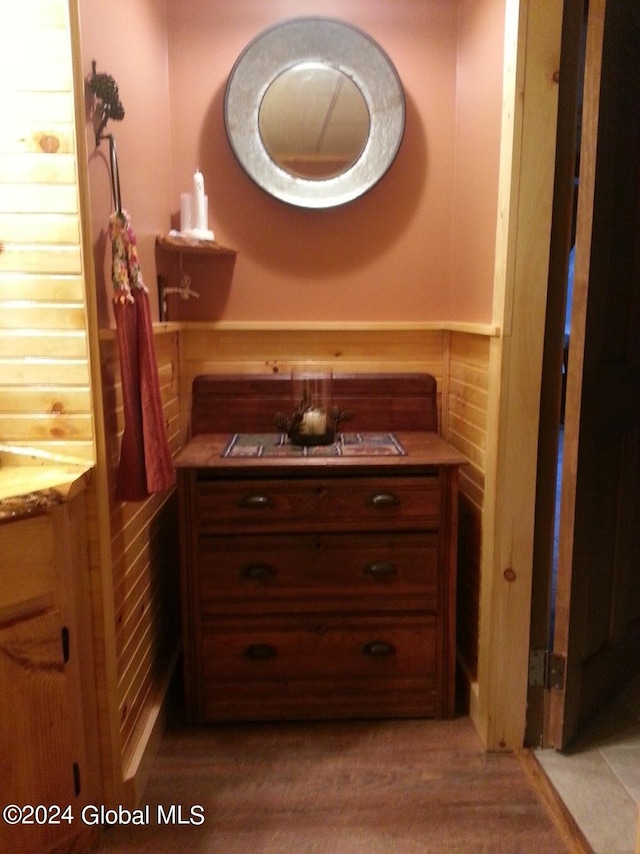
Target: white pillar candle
199, 214
186, 222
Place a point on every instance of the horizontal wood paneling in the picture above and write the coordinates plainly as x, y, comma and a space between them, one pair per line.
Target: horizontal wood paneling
58, 78
466, 429
36, 136
166, 346
144, 555
42, 288
266, 350
51, 344
40, 228
44, 371
43, 168
40, 259
43, 106
146, 618
45, 399
26, 198
395, 349
42, 316
48, 37
35, 428
48, 13
466, 417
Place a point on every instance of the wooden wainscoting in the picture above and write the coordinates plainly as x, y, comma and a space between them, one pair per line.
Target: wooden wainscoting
272, 348
144, 569
465, 427
142, 555
167, 356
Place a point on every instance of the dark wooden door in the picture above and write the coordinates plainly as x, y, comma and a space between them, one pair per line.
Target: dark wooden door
597, 623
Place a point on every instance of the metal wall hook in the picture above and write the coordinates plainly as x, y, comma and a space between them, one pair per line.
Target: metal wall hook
106, 115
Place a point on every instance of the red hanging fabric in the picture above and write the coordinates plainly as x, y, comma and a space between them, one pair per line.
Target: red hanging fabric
145, 464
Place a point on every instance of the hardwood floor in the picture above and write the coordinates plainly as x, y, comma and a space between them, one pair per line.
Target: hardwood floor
386, 787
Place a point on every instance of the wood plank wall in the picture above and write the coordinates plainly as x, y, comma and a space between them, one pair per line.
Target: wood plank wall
45, 399
384, 348
465, 427
144, 559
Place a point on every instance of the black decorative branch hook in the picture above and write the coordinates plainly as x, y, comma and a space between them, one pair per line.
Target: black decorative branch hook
105, 88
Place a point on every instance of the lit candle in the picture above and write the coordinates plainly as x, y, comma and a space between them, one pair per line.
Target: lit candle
314, 423
199, 212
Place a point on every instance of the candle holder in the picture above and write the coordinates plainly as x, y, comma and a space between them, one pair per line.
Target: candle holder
315, 420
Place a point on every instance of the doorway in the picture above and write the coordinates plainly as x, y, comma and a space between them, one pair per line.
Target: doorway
596, 627
588, 623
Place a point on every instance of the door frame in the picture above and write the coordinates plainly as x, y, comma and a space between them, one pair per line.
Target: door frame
557, 712
551, 390
498, 701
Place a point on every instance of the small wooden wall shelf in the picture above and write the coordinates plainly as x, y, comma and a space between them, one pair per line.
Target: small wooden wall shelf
175, 300
192, 246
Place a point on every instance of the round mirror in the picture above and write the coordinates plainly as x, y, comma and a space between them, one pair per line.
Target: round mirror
314, 112
314, 121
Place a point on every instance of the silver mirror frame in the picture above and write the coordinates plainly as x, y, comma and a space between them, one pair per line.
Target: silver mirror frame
352, 52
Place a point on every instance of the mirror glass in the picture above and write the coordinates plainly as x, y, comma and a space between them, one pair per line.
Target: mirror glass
314, 121
314, 112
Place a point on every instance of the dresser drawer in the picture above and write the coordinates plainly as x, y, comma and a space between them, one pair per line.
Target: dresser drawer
407, 503
315, 646
312, 667
260, 573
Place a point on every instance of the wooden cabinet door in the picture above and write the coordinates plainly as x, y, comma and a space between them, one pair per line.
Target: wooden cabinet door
36, 748
597, 628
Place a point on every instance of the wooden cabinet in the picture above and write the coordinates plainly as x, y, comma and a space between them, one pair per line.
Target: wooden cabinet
319, 587
45, 671
38, 747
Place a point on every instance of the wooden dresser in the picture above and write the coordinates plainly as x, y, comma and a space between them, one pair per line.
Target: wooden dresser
318, 587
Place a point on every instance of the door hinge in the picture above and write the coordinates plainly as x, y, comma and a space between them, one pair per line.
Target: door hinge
546, 669
557, 666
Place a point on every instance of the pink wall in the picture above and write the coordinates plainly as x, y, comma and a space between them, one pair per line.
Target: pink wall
128, 39
475, 199
418, 247
382, 257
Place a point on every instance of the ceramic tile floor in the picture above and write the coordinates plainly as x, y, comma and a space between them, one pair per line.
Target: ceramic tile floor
599, 778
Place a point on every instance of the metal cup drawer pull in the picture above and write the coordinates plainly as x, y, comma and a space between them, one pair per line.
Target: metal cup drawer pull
380, 569
257, 571
260, 652
380, 500
255, 502
378, 649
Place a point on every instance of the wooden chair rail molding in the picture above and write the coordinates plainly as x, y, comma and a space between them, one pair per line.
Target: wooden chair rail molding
490, 330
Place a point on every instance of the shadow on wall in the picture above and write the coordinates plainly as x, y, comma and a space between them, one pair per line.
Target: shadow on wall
311, 244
